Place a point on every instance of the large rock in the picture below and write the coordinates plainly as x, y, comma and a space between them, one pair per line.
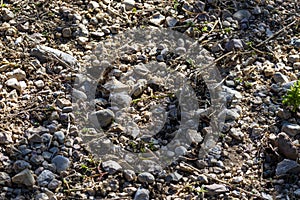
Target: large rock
102, 117
287, 167
141, 194
25, 177
62, 163
286, 147
291, 129
111, 166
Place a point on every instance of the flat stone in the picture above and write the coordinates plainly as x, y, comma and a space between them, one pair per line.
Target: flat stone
41, 196
229, 115
174, 177
236, 44
242, 14
193, 136
146, 177
54, 184
129, 4
286, 147
4, 178
102, 117
291, 129
280, 78
77, 94
7, 14
141, 194
25, 177
17, 73
45, 178
13, 83
181, 150
157, 19
62, 163
35, 138
111, 166
297, 192
63, 103
171, 21
287, 167
39, 83
5, 137
216, 188
236, 133
60, 136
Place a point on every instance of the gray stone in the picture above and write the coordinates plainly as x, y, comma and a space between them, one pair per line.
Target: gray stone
280, 78
45, 178
41, 196
93, 5
36, 159
82, 40
61, 103
35, 138
24, 177
102, 117
17, 73
193, 136
237, 179
283, 114
235, 44
242, 14
233, 92
7, 14
79, 94
62, 163
129, 4
229, 115
181, 150
129, 175
236, 133
297, 192
60, 136
295, 42
291, 129
216, 188
5, 137
157, 19
171, 21
287, 167
202, 179
257, 10
141, 194
4, 178
174, 177
111, 166
39, 83
13, 83
54, 184
146, 177
286, 147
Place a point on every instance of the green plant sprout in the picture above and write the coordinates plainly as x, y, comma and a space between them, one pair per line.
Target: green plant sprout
176, 4
292, 98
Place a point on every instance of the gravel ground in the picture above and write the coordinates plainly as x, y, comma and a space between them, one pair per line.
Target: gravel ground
71, 98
